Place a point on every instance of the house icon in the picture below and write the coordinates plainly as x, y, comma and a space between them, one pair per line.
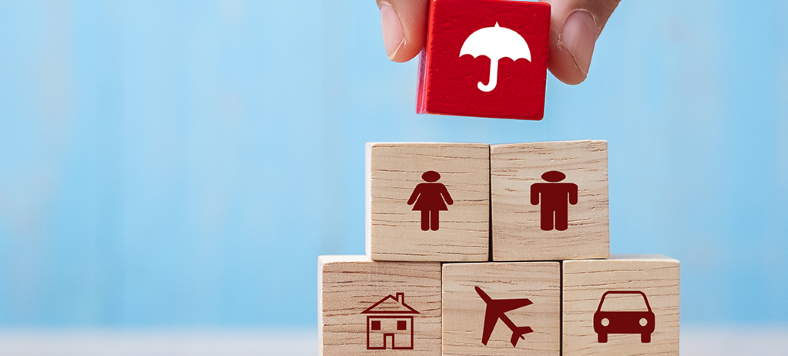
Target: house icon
390, 324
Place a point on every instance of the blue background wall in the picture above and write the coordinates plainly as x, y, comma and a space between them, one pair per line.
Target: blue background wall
182, 163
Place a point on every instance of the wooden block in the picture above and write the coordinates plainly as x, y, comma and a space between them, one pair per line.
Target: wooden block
485, 58
409, 184
625, 305
371, 308
549, 201
531, 311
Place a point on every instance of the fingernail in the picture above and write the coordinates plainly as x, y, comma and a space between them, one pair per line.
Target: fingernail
579, 37
392, 30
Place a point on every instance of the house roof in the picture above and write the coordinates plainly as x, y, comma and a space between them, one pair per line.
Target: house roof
390, 305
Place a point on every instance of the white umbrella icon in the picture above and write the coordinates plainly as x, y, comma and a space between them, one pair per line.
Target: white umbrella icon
495, 43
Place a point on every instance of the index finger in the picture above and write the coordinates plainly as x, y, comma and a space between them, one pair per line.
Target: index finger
404, 25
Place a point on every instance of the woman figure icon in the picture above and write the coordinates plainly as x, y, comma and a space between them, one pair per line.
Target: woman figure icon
430, 198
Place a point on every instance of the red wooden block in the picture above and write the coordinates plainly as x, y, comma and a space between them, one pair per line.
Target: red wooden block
485, 58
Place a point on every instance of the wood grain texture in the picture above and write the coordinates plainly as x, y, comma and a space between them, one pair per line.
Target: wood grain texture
394, 230
516, 231
464, 310
584, 283
349, 285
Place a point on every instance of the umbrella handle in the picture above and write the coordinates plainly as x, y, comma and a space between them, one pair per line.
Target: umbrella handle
493, 77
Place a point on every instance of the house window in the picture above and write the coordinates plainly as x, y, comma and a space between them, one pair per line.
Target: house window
375, 325
402, 325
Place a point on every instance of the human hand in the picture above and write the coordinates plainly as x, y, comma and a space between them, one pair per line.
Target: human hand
575, 26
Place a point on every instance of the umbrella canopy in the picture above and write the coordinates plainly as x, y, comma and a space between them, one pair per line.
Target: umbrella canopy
495, 43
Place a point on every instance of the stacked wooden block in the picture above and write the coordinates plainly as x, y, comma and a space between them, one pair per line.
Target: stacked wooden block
475, 249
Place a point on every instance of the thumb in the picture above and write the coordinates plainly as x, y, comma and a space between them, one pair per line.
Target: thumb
404, 25
575, 26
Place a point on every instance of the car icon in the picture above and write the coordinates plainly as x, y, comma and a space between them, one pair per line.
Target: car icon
624, 312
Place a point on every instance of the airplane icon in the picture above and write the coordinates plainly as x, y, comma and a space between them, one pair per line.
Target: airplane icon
496, 309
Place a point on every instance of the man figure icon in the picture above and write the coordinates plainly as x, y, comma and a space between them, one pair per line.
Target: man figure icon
554, 199
430, 198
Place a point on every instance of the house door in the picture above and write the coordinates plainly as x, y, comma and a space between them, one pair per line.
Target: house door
388, 341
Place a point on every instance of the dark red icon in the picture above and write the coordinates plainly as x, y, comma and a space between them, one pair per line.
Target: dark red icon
496, 309
430, 198
473, 65
554, 199
390, 324
624, 312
